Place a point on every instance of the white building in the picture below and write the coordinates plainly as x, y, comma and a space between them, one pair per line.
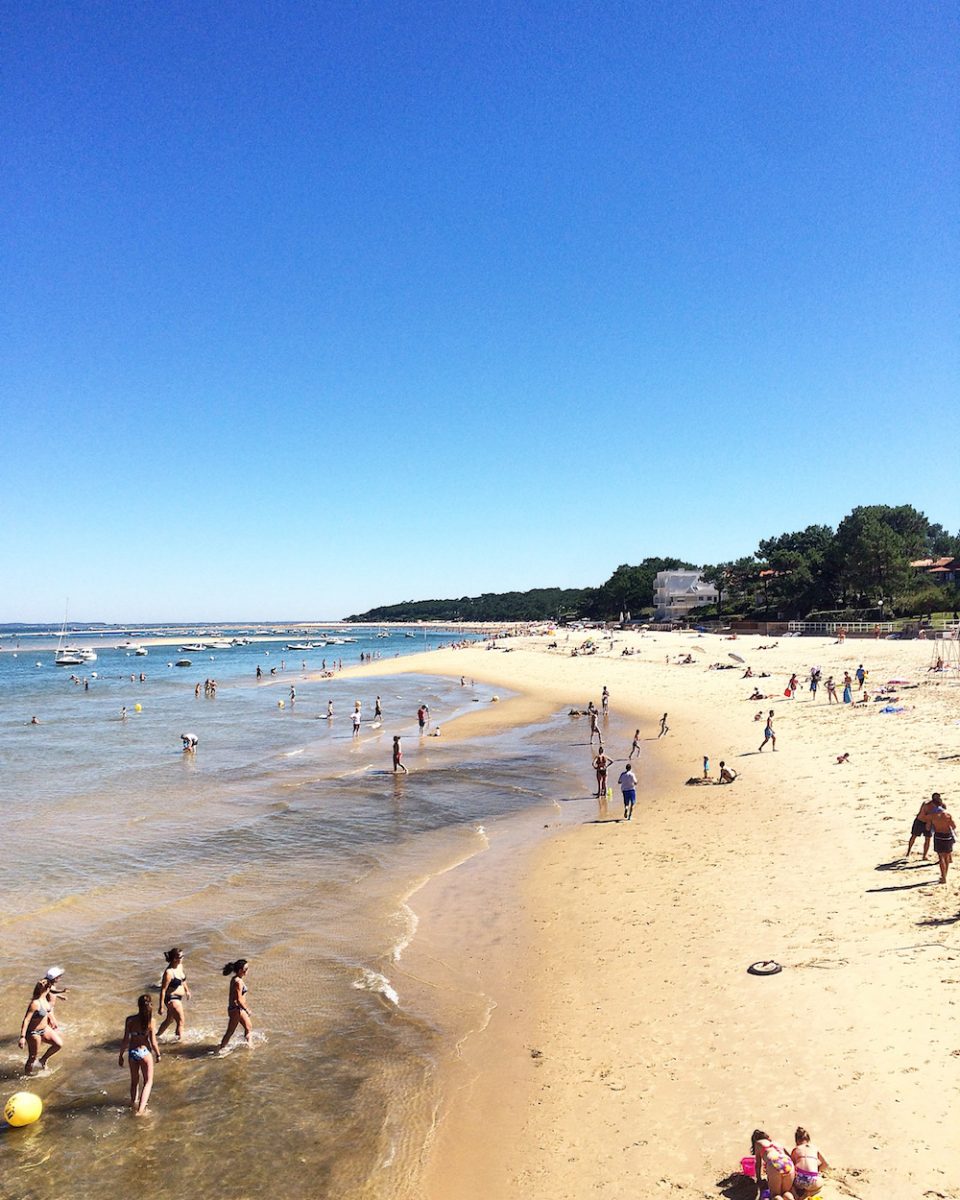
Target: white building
675, 593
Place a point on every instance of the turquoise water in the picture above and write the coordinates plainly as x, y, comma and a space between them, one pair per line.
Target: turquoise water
282, 840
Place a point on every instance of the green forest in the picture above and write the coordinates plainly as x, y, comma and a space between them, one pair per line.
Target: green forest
861, 570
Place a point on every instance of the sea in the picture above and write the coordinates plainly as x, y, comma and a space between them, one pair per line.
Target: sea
283, 840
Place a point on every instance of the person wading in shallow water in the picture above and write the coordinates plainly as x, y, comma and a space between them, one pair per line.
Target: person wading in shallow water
140, 1043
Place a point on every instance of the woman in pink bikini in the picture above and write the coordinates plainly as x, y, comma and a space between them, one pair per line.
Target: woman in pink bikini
776, 1162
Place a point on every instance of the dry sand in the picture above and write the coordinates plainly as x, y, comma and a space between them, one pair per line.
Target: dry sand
631, 1054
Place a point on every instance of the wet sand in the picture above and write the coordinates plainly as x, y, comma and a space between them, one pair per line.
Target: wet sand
628, 1051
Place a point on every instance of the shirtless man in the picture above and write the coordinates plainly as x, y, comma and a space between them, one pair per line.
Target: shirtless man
921, 825
944, 835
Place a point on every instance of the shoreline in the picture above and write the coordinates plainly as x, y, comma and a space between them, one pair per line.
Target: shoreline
650, 1034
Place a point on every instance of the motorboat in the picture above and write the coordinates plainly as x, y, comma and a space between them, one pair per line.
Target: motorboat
193, 648
68, 658
219, 644
299, 646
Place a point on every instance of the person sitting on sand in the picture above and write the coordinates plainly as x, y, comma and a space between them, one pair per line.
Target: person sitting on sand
808, 1162
921, 825
776, 1161
726, 775
756, 694
748, 674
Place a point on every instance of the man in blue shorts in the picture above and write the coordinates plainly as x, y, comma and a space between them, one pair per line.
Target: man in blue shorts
628, 785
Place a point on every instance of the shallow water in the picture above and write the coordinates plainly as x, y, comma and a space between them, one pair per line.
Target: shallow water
282, 840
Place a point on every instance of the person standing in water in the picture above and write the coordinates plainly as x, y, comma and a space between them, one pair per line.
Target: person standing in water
355, 718
140, 1040
237, 1011
173, 992
377, 710
39, 1027
398, 756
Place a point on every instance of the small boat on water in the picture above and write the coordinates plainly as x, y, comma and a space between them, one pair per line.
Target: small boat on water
183, 662
68, 658
299, 646
193, 648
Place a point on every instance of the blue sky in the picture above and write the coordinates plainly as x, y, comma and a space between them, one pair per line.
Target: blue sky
307, 308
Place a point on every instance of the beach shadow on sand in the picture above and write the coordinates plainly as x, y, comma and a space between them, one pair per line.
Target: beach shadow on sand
737, 1187
901, 864
934, 922
902, 887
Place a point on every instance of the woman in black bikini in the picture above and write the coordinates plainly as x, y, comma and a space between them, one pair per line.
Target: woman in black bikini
173, 992
140, 1039
39, 1026
237, 1011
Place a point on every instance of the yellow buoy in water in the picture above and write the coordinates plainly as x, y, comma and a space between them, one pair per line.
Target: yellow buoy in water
138, 708
279, 704
23, 1108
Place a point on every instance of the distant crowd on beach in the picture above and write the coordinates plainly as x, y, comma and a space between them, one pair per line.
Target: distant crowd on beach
41, 1037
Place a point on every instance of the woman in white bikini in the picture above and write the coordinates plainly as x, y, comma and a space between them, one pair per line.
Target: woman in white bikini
808, 1162
777, 1163
140, 1039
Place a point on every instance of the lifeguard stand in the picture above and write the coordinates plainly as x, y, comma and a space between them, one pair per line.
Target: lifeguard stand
946, 649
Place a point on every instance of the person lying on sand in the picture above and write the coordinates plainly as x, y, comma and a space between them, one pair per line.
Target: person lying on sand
843, 758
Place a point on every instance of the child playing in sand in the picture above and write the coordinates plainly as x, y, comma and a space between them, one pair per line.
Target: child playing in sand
807, 1161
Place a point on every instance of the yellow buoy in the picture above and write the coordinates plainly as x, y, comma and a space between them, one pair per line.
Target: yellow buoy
279, 704
23, 1108
138, 708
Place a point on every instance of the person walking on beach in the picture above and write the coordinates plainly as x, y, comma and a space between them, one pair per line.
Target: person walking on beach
768, 734
329, 709
398, 756
628, 786
944, 836
605, 701
173, 992
664, 727
140, 1045
921, 825
791, 690
635, 748
706, 767
861, 675
39, 1027
847, 688
237, 1012
594, 727
600, 764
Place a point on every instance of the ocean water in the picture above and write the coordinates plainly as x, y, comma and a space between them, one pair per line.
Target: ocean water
282, 840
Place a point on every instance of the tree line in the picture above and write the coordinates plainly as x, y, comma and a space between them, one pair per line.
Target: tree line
862, 567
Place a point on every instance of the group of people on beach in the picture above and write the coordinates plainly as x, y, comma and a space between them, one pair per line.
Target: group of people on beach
40, 1030
790, 1174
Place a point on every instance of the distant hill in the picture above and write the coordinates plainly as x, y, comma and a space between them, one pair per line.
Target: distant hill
539, 604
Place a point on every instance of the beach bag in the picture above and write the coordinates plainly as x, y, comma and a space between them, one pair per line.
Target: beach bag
787, 693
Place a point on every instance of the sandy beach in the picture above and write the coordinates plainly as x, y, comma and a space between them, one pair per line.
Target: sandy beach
630, 1053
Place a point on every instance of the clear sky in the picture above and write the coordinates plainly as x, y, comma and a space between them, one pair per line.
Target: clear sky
311, 307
